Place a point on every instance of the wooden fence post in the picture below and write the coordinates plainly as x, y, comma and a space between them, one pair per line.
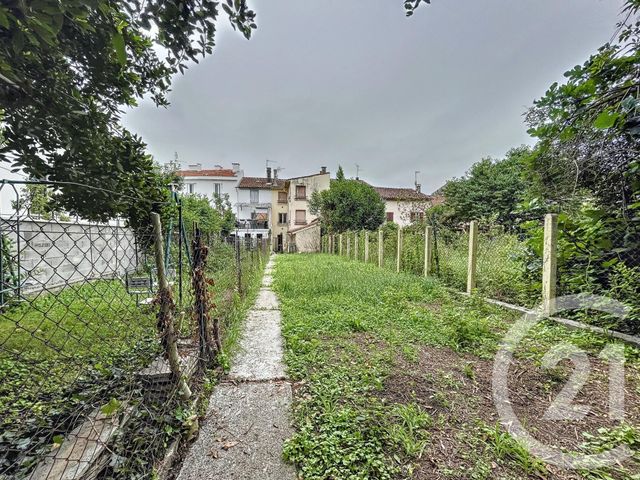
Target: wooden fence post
473, 256
366, 246
166, 313
340, 245
380, 248
428, 249
549, 263
399, 251
348, 246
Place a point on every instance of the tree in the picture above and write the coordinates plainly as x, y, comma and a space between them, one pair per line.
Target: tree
340, 173
589, 127
35, 199
348, 205
66, 70
491, 189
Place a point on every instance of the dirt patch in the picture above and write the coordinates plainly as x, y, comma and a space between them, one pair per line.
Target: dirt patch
456, 390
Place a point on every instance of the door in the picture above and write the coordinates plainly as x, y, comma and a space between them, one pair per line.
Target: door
279, 242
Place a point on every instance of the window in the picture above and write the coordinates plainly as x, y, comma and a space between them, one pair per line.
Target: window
282, 197
282, 218
416, 216
217, 189
301, 217
301, 192
191, 187
389, 216
253, 195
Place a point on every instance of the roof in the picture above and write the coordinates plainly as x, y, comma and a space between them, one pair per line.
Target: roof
388, 193
220, 172
260, 182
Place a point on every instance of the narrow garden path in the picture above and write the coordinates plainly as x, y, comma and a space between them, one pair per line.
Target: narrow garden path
248, 416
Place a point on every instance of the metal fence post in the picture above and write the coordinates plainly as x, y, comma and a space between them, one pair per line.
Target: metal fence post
380, 247
549, 263
399, 250
473, 256
428, 249
366, 246
238, 266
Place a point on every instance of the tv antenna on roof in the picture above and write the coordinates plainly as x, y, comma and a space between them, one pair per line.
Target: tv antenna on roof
357, 172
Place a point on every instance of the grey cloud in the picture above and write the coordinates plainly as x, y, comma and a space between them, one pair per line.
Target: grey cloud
355, 82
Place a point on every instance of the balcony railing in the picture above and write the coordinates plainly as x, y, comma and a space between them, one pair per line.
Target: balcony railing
252, 225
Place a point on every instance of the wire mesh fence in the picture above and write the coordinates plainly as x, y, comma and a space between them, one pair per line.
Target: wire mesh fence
509, 262
93, 347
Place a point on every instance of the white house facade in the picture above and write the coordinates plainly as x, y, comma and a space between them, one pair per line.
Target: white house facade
221, 182
253, 207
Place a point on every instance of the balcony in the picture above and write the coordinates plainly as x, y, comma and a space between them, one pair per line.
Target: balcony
252, 225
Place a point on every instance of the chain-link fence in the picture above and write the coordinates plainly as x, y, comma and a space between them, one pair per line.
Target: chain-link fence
509, 261
106, 337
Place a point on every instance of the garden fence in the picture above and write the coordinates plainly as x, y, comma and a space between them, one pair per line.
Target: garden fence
507, 263
107, 336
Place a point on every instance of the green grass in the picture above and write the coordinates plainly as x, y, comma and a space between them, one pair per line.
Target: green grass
63, 353
349, 327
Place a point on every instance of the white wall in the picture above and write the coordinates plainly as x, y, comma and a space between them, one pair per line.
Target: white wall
205, 186
54, 254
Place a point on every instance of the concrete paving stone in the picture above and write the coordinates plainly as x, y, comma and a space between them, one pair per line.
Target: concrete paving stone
266, 300
260, 352
243, 435
267, 281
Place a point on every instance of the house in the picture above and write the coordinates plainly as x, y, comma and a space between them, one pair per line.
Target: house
221, 182
404, 206
303, 228
254, 206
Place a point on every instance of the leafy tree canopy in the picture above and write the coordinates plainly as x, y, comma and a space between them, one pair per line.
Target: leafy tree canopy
490, 189
66, 70
348, 205
589, 127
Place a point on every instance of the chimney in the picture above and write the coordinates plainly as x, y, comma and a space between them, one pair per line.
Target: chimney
418, 186
323, 169
268, 174
194, 166
236, 167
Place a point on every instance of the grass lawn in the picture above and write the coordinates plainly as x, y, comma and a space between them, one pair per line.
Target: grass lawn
393, 380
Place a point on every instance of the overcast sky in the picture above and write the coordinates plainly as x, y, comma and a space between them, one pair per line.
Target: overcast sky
346, 82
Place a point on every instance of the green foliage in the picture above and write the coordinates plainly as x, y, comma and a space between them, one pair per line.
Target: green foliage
589, 131
343, 429
508, 448
212, 220
35, 199
491, 189
68, 68
348, 205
